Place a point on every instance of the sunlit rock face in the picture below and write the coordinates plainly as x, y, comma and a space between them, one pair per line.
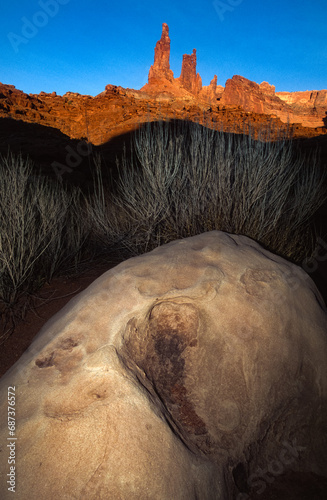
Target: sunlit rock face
179, 374
190, 79
161, 66
308, 108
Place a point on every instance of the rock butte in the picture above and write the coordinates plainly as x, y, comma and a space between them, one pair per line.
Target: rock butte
118, 110
180, 374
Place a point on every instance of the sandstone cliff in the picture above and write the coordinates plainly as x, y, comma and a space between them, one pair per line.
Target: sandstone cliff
307, 108
189, 83
160, 70
190, 79
117, 110
311, 104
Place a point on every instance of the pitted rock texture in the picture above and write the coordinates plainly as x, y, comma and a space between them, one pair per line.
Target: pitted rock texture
178, 374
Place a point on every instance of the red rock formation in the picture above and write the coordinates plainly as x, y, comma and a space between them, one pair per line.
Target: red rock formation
306, 108
189, 79
161, 79
310, 98
266, 88
118, 110
310, 105
240, 91
161, 68
212, 92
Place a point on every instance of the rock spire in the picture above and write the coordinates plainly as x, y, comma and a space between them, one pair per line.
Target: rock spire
189, 79
161, 67
161, 76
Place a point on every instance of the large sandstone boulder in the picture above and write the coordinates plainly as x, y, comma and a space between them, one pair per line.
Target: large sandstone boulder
196, 371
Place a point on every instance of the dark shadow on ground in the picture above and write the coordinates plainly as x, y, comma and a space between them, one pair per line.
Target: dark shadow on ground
50, 149
46, 145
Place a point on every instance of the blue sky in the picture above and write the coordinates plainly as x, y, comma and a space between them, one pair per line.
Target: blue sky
83, 45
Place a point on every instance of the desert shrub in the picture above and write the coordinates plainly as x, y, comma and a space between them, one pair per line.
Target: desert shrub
183, 179
103, 215
41, 228
179, 179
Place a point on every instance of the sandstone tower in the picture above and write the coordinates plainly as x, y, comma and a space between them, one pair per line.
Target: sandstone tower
161, 68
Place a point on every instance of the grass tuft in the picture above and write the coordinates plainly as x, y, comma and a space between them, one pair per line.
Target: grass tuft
180, 179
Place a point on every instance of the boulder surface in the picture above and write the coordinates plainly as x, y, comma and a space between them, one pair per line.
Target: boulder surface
197, 371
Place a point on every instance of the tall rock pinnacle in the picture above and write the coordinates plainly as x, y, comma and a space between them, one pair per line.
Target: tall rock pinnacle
189, 79
161, 68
